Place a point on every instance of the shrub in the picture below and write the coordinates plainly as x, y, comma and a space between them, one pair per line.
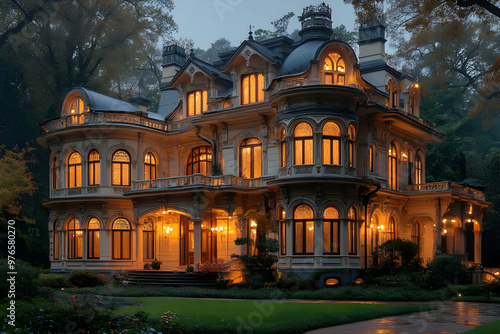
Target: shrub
222, 284
156, 264
286, 283
212, 267
468, 290
84, 278
445, 270
53, 281
308, 284
26, 279
189, 269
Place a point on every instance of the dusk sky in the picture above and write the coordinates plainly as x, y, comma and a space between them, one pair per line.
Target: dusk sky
205, 21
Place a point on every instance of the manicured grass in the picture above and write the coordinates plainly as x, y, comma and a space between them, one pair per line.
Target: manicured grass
212, 316
489, 328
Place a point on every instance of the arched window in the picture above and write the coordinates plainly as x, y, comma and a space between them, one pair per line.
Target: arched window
393, 167
331, 143
55, 232
331, 230
197, 102
200, 161
54, 173
334, 69
419, 175
353, 232
391, 229
372, 158
352, 139
282, 148
94, 168
148, 241
149, 166
75, 239
280, 213
121, 168
303, 230
76, 106
303, 141
94, 249
121, 239
393, 94
251, 158
415, 233
252, 88
74, 170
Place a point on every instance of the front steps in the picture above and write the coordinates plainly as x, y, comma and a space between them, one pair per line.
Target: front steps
170, 278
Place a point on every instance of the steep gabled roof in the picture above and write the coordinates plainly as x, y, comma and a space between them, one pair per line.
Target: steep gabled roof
206, 68
260, 49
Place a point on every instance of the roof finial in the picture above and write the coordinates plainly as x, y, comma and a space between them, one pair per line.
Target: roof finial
250, 34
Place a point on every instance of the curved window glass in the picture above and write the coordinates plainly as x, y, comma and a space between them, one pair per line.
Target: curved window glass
149, 166
303, 142
75, 239
76, 110
331, 230
74, 170
353, 232
393, 167
93, 239
121, 168
334, 69
200, 161
94, 168
251, 158
331, 143
121, 239
252, 86
303, 230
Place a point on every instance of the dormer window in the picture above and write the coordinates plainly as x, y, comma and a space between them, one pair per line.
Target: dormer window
252, 86
77, 106
197, 102
334, 69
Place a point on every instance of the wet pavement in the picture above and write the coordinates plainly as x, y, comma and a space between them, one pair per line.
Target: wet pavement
450, 317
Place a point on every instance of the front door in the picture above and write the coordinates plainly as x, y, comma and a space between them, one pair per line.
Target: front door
208, 242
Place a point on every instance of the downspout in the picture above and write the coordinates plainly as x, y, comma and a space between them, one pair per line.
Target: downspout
366, 200
215, 155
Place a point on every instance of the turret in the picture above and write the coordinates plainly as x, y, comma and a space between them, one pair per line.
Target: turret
316, 22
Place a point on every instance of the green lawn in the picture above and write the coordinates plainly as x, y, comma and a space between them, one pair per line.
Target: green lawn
489, 328
261, 316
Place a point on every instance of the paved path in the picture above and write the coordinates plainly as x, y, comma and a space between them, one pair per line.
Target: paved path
450, 317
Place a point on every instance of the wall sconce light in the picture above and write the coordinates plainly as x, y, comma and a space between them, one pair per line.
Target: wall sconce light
404, 156
253, 223
381, 227
470, 209
444, 220
445, 231
167, 230
371, 225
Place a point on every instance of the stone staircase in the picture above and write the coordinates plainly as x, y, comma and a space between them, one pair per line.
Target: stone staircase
171, 278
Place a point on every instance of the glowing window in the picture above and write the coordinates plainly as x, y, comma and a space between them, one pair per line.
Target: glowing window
391, 229
200, 161
54, 173
331, 230
93, 239
331, 144
121, 239
332, 281
353, 232
303, 230
281, 217
419, 170
121, 168
352, 139
74, 170
372, 158
251, 158
282, 148
94, 168
75, 239
76, 110
334, 69
393, 167
148, 236
415, 233
197, 102
149, 166
252, 88
303, 141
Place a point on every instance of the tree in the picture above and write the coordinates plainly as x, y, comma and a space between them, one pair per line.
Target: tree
212, 53
280, 28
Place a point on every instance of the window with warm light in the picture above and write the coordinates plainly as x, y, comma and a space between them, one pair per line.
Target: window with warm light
392, 87
251, 158
303, 142
93, 239
331, 230
55, 232
393, 167
197, 102
252, 86
121, 239
54, 173
200, 161
353, 232
282, 148
76, 110
252, 236
372, 158
419, 169
94, 168
121, 168
74, 170
281, 218
334, 69
331, 143
148, 241
391, 229
303, 224
149, 166
75, 239
352, 140
415, 233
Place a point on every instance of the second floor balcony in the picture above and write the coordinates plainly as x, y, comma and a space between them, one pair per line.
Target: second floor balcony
446, 186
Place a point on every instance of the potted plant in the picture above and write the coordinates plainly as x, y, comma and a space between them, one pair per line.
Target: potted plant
156, 264
189, 269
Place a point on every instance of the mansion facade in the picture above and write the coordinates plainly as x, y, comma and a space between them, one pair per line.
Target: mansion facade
328, 143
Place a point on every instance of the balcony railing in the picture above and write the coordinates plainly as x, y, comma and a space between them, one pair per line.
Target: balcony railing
197, 180
88, 191
446, 186
89, 118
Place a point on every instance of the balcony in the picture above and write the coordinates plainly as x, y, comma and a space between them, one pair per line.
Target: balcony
446, 186
96, 118
198, 180
101, 191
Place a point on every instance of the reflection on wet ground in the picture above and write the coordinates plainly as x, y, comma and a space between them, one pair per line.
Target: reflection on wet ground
450, 317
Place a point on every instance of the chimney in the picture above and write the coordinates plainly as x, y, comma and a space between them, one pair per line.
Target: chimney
174, 57
372, 40
316, 22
